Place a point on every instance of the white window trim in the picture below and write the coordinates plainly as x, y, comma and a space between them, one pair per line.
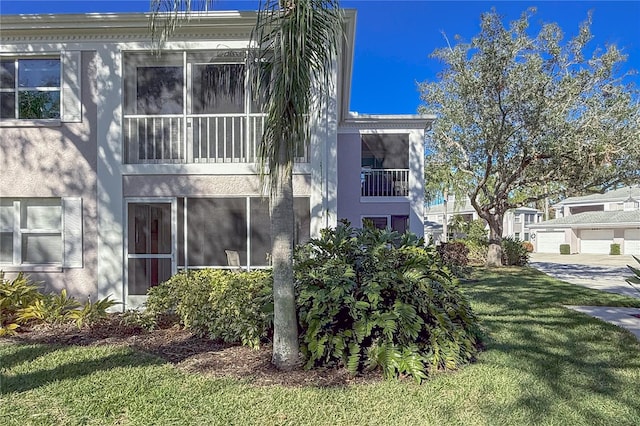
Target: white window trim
70, 236
70, 89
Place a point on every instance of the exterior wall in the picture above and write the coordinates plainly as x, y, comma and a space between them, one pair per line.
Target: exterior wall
201, 186
59, 161
352, 207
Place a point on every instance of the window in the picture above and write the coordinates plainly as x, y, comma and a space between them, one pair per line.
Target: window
30, 88
40, 231
395, 223
41, 87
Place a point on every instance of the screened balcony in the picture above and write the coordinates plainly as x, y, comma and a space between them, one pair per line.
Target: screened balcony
385, 165
191, 107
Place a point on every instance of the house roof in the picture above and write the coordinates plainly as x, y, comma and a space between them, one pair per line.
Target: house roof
610, 219
616, 195
467, 208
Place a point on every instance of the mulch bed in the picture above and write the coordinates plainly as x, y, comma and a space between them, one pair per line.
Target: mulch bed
192, 354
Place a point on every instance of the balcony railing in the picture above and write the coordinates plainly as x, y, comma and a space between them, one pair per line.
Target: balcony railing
384, 182
213, 138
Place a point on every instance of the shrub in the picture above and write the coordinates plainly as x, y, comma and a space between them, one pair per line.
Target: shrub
527, 246
233, 307
50, 309
513, 252
60, 309
91, 312
22, 302
370, 298
565, 249
614, 249
477, 252
635, 279
455, 255
15, 295
477, 232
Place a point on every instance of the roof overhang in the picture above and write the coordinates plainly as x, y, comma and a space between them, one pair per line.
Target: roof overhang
120, 26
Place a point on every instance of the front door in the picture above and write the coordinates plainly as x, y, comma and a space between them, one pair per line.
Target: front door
151, 247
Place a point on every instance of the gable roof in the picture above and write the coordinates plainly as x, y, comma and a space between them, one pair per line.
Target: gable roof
610, 219
616, 195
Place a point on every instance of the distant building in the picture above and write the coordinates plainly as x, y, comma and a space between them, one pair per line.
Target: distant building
591, 223
517, 222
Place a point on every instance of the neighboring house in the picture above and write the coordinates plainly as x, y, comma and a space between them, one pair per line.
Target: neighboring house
590, 224
120, 167
517, 222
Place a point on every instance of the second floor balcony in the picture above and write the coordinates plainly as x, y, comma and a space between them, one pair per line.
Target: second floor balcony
191, 107
184, 139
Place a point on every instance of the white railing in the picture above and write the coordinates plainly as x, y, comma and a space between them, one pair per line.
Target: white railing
384, 182
212, 138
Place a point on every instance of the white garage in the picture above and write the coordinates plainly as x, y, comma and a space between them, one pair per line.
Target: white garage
631, 242
596, 241
549, 241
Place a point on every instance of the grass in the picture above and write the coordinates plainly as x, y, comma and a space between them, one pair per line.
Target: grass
543, 365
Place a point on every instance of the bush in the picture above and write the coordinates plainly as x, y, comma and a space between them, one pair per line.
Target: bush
15, 295
614, 249
634, 280
527, 246
565, 249
21, 302
513, 252
370, 298
232, 307
455, 255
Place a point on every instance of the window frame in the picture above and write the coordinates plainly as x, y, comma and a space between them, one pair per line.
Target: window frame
17, 89
70, 105
68, 231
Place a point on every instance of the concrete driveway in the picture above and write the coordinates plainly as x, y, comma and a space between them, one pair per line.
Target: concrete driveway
600, 272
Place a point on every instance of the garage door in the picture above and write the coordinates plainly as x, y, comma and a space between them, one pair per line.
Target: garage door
631, 242
596, 241
549, 242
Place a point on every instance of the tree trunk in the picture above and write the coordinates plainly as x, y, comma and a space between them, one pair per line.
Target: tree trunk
285, 324
494, 254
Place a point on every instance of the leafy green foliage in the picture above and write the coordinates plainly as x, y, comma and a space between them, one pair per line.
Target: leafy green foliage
513, 252
233, 307
455, 255
22, 302
91, 312
370, 298
635, 279
523, 117
565, 249
614, 249
50, 309
15, 295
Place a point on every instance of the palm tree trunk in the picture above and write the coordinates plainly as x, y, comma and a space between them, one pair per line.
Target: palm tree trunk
285, 324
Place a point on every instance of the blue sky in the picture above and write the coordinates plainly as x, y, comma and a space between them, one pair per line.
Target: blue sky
394, 38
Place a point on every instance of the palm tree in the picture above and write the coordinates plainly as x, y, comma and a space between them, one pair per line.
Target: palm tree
296, 44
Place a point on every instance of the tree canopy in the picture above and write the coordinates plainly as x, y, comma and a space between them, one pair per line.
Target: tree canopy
521, 118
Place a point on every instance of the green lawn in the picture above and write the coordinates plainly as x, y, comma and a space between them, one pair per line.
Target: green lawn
543, 365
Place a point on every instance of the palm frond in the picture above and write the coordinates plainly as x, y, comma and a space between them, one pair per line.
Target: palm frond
168, 15
296, 44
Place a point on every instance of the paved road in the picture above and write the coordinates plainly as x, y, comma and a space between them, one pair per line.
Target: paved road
605, 278
600, 272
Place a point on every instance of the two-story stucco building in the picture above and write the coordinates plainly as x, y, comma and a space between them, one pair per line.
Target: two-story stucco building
119, 167
591, 223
